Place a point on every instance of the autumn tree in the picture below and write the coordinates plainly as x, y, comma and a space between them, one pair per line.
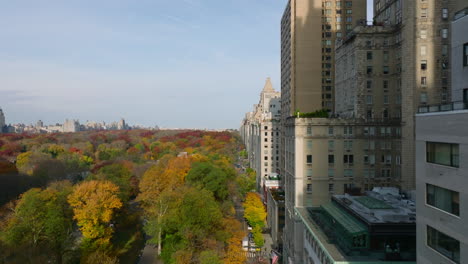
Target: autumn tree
255, 214
94, 204
42, 218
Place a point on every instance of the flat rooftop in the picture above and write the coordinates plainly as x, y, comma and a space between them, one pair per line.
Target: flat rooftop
383, 205
333, 251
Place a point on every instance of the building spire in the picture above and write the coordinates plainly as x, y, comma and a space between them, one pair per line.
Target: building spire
268, 86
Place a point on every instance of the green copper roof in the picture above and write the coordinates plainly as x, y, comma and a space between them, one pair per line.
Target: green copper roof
347, 221
372, 203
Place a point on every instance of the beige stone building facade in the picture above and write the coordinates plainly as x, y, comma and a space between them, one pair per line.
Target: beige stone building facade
309, 30
422, 41
260, 131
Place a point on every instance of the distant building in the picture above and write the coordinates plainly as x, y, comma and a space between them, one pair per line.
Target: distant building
379, 227
2, 121
261, 133
441, 167
39, 124
71, 126
121, 125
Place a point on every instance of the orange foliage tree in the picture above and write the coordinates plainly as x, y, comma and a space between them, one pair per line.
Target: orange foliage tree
94, 203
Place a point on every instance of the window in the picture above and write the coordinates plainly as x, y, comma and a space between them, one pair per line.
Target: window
266, 127
349, 19
444, 49
309, 174
443, 244
385, 99
309, 188
309, 130
309, 144
369, 84
465, 54
348, 159
331, 187
349, 4
348, 11
369, 55
385, 56
331, 144
385, 84
423, 12
423, 98
348, 144
424, 65
309, 159
348, 130
386, 70
369, 99
330, 131
348, 173
444, 13
444, 33
423, 33
331, 173
423, 80
265, 158
338, 19
266, 140
442, 153
369, 69
423, 50
444, 199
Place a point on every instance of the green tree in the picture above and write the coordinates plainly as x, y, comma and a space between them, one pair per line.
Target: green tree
206, 175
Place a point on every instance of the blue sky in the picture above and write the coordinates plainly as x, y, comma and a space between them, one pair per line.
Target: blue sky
177, 63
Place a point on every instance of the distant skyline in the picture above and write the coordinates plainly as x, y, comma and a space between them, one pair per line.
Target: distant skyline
178, 63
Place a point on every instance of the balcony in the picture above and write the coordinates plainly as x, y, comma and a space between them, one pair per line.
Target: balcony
454, 106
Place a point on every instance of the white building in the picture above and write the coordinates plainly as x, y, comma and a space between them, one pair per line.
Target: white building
71, 126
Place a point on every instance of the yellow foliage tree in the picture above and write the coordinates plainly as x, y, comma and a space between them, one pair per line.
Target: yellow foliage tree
254, 210
234, 252
94, 203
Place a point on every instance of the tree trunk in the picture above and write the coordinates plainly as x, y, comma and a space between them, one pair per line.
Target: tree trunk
159, 242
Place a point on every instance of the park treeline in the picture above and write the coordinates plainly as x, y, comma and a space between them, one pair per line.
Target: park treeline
98, 197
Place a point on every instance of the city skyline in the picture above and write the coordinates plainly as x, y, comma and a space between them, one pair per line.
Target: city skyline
156, 63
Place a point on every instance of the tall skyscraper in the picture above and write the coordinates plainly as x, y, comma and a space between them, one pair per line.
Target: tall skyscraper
309, 29
422, 41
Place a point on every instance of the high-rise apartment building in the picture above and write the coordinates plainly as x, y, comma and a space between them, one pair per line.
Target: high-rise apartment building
441, 168
261, 134
309, 29
422, 41
2, 121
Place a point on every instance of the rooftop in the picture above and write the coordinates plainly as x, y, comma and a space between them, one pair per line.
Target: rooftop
382, 205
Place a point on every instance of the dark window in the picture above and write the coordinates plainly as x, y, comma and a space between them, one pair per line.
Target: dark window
424, 65
386, 70
309, 159
443, 244
331, 159
442, 153
465, 97
369, 84
443, 199
369, 69
348, 159
369, 55
465, 54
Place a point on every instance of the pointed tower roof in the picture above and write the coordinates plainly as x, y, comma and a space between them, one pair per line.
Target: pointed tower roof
268, 86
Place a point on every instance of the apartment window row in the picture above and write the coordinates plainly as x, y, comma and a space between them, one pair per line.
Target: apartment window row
442, 153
